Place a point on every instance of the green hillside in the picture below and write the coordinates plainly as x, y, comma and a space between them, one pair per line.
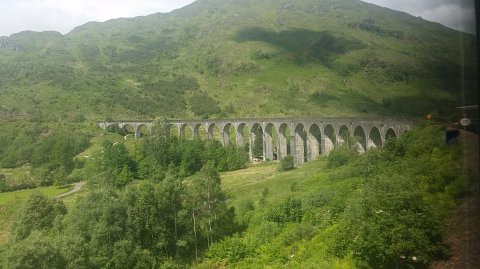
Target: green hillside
164, 201
387, 208
236, 59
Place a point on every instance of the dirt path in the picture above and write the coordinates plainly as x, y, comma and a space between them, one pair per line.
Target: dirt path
464, 224
78, 186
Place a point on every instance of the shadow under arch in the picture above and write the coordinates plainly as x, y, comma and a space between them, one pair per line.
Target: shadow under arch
284, 141
300, 139
143, 130
240, 133
227, 134
360, 139
257, 145
390, 134
213, 132
314, 142
271, 142
329, 139
343, 136
199, 132
374, 139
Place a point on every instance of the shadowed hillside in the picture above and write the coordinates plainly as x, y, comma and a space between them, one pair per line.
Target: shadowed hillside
243, 58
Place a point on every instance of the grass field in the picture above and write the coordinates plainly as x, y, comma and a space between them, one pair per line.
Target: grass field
249, 184
11, 202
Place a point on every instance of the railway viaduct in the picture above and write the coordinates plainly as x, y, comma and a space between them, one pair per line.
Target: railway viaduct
303, 138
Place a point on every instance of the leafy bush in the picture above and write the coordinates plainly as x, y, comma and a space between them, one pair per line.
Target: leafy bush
230, 249
288, 211
39, 213
287, 164
339, 157
36, 251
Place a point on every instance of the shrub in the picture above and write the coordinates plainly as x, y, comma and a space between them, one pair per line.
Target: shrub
339, 157
287, 164
37, 251
231, 249
288, 211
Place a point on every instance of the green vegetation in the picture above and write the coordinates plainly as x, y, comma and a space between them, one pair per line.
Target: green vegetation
48, 154
159, 153
160, 202
354, 214
351, 213
12, 202
242, 58
287, 164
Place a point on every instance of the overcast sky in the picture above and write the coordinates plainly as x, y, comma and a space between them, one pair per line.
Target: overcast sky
456, 14
64, 15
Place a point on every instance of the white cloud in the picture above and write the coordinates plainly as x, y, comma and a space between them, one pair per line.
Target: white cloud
64, 15
456, 14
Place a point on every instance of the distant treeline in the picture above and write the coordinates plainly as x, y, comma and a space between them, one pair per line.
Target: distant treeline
49, 154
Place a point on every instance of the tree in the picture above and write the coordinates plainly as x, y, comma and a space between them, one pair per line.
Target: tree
207, 206
117, 165
174, 192
287, 164
36, 251
39, 213
146, 219
97, 221
115, 156
124, 177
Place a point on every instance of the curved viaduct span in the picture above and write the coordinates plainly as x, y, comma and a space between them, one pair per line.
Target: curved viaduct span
304, 138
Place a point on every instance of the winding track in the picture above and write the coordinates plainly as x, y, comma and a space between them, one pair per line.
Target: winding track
78, 186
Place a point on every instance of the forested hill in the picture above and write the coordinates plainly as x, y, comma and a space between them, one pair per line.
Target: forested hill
225, 58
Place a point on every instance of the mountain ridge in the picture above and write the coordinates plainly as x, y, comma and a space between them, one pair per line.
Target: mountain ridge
245, 58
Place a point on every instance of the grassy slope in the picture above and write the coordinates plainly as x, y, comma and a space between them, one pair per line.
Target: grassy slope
244, 186
11, 202
254, 57
248, 185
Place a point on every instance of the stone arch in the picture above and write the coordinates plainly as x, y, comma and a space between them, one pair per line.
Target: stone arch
142, 130
390, 134
343, 135
257, 144
283, 141
171, 131
314, 142
182, 128
360, 141
113, 127
240, 134
374, 139
300, 138
329, 139
127, 129
271, 142
226, 134
199, 132
213, 132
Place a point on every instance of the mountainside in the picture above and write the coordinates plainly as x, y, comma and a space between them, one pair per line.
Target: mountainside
240, 58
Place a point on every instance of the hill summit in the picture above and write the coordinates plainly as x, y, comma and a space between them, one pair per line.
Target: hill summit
242, 58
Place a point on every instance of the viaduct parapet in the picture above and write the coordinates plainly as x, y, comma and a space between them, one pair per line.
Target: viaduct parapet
303, 138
